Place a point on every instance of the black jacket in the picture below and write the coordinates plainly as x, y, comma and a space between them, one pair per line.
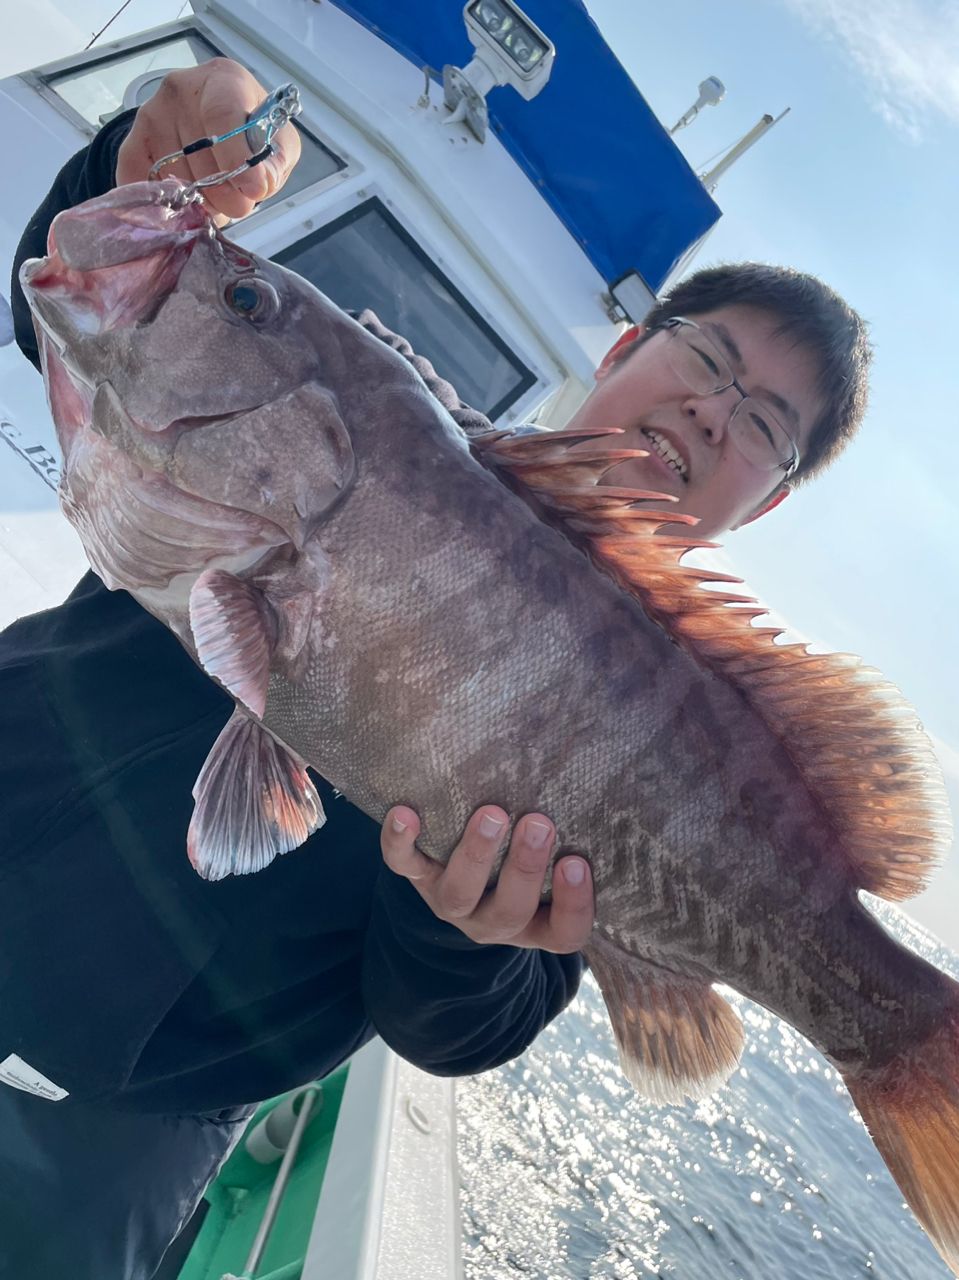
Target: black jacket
124, 977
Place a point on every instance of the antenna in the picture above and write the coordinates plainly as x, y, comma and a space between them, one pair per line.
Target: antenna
712, 176
711, 91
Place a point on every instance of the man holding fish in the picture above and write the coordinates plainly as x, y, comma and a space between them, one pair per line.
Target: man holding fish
143, 1009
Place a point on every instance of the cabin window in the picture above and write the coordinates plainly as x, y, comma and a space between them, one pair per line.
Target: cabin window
96, 92
367, 259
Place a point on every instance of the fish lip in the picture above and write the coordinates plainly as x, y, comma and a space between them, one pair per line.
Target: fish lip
678, 444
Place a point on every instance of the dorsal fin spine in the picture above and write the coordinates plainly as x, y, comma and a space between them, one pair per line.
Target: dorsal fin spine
849, 732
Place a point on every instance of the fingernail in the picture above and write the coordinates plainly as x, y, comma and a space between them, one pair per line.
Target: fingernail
276, 168
574, 871
537, 833
397, 825
490, 826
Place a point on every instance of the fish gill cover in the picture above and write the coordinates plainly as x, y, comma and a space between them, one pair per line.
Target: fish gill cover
589, 142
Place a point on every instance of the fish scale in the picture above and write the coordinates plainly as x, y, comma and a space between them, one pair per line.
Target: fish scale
445, 623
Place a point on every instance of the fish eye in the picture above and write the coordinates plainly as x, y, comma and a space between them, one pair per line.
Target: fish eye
252, 299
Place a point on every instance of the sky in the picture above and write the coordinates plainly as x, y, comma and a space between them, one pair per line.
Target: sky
858, 184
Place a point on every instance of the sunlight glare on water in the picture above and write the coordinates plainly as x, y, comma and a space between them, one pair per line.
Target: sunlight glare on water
567, 1175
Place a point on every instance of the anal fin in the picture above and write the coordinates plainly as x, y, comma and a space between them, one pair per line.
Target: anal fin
677, 1037
254, 801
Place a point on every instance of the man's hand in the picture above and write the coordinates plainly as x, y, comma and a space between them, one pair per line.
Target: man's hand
511, 913
201, 102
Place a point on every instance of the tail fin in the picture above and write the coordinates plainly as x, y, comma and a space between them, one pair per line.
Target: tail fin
911, 1110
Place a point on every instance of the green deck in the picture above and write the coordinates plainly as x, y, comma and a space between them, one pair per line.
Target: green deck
238, 1198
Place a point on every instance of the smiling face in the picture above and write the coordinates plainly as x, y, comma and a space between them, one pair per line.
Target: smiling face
691, 454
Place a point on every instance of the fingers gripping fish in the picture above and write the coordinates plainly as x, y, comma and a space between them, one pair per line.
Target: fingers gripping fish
444, 624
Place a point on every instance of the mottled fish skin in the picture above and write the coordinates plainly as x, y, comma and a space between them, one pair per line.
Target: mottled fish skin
407, 624
501, 668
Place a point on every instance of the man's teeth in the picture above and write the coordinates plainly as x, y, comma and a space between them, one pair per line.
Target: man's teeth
666, 451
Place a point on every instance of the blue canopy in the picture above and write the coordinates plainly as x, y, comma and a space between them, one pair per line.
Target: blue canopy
589, 141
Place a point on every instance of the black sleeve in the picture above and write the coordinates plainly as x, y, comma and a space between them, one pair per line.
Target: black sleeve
447, 1004
91, 172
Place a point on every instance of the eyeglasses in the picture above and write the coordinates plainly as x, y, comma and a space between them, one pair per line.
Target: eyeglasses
757, 433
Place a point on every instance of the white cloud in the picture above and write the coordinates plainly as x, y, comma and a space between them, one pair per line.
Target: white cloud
907, 51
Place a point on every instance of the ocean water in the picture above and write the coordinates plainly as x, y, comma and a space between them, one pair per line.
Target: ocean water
567, 1175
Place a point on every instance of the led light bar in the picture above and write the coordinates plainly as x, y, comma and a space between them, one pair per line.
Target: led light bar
510, 49
512, 31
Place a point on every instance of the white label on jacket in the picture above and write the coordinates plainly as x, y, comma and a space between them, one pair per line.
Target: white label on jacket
14, 1071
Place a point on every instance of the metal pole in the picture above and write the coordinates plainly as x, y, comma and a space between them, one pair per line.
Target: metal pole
279, 1186
712, 176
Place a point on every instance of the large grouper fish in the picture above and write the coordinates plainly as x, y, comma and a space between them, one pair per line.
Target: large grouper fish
445, 622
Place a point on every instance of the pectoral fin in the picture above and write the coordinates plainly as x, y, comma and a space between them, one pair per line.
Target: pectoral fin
234, 632
677, 1037
254, 801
